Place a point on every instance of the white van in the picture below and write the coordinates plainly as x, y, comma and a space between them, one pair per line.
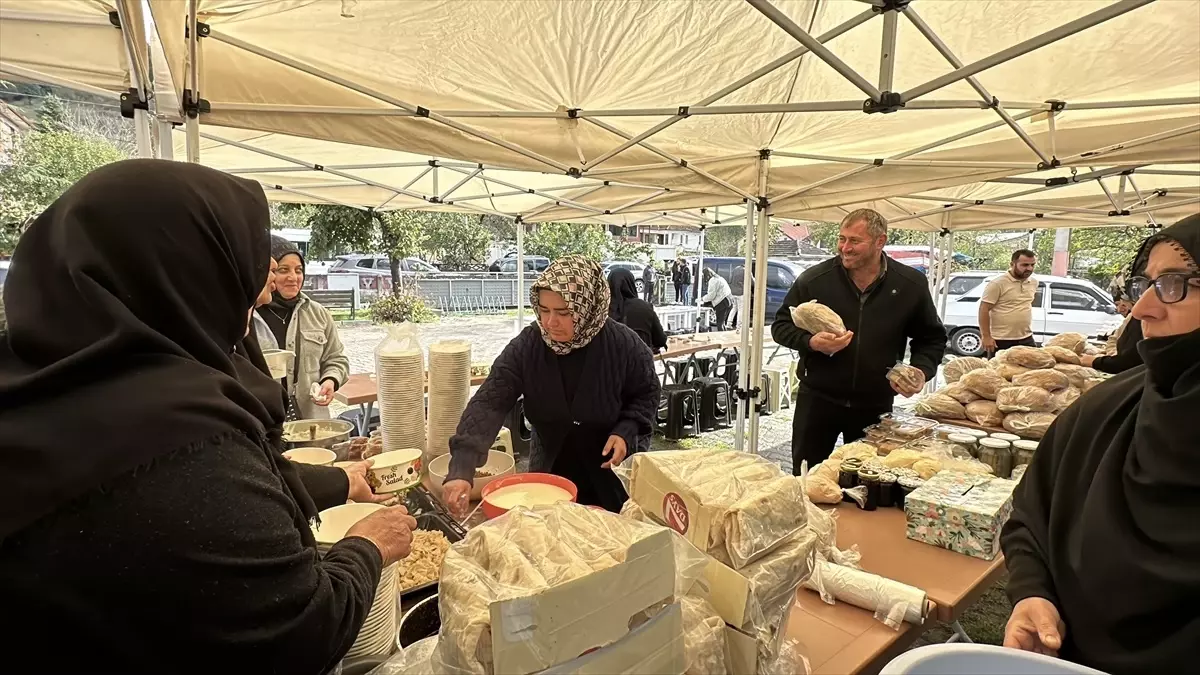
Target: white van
1072, 305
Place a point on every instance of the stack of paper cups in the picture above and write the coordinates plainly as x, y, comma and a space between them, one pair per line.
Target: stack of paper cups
449, 389
401, 377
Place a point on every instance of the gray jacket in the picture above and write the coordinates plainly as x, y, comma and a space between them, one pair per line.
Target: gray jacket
320, 350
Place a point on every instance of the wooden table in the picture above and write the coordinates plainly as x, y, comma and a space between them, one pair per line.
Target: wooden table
953, 581
842, 638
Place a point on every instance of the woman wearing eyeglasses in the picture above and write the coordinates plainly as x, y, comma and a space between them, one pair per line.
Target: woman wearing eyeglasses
1103, 547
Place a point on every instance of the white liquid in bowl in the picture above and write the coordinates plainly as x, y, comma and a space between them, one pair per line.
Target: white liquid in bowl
527, 494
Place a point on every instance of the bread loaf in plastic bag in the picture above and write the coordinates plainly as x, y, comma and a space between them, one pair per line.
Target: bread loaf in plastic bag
1024, 399
1046, 378
1063, 398
985, 413
1077, 375
1029, 424
984, 382
1062, 354
940, 406
959, 392
954, 370
815, 318
1008, 370
1076, 342
1028, 357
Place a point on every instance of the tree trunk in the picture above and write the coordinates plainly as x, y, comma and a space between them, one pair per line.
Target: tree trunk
395, 265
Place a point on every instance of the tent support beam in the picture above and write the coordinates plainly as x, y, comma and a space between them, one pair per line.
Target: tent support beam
569, 202
819, 50
639, 200
954, 61
310, 195
910, 162
528, 215
1138, 142
1111, 199
378, 95
745, 312
1082, 23
761, 240
342, 167
459, 184
23, 73
887, 50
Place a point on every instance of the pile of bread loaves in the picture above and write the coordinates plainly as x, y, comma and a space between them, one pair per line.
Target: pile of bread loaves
1022, 389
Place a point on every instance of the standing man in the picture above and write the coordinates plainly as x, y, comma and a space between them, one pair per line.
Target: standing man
717, 296
677, 279
648, 282
886, 307
1006, 308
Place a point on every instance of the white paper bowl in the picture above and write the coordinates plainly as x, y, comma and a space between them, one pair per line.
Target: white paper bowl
335, 522
396, 470
277, 361
316, 456
498, 463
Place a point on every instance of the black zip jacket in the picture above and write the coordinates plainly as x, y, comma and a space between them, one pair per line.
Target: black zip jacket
1127, 355
895, 309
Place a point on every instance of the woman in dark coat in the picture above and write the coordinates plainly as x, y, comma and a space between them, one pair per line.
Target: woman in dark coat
1102, 548
589, 386
637, 314
144, 509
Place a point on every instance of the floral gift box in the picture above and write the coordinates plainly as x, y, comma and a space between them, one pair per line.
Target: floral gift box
962, 512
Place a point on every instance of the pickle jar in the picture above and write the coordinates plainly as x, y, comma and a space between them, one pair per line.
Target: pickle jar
997, 454
966, 443
869, 478
1023, 452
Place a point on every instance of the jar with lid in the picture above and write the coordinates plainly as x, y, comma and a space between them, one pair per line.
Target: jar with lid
907, 484
887, 489
869, 478
848, 476
996, 453
1006, 437
966, 443
977, 433
1023, 452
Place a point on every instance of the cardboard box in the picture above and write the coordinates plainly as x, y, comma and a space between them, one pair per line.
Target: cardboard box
654, 648
741, 652
674, 504
961, 512
563, 623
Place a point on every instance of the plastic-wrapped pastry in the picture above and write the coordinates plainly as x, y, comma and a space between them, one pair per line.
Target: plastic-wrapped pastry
940, 406
904, 375
1062, 399
954, 370
959, 392
901, 458
1046, 378
1062, 354
1029, 424
1029, 357
815, 318
927, 467
821, 490
1009, 370
984, 382
1024, 399
1076, 342
985, 413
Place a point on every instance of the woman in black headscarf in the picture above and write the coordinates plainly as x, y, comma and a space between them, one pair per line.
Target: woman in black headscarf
143, 510
1102, 547
627, 308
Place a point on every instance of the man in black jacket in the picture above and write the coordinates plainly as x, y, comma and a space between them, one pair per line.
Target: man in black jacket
843, 380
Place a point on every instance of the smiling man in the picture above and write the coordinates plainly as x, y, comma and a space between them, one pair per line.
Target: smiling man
885, 306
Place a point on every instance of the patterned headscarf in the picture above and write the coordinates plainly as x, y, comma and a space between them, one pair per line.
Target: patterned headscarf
581, 283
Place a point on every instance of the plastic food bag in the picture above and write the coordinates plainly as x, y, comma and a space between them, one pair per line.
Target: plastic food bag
815, 318
1009, 370
905, 376
703, 637
1029, 424
1024, 399
940, 406
894, 603
954, 370
985, 382
1064, 398
1029, 357
1076, 342
413, 660
1062, 354
985, 413
1046, 378
790, 661
959, 392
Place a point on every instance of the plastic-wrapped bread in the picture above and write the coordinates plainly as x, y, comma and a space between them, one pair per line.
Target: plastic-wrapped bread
985, 382
1024, 399
1028, 357
904, 375
815, 318
985, 413
1063, 398
1046, 378
1077, 375
954, 370
940, 406
1091, 382
901, 458
760, 520
1029, 424
1009, 370
1062, 354
959, 392
703, 637
1076, 342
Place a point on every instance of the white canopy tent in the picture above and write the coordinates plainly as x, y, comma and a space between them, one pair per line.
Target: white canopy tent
798, 107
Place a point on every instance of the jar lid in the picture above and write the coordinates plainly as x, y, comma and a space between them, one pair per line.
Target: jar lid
868, 474
853, 461
887, 477
995, 443
911, 482
1025, 445
1006, 437
961, 438
977, 433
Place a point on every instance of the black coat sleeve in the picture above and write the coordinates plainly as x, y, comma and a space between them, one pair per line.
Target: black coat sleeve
784, 331
639, 397
927, 336
1127, 355
485, 413
658, 337
1025, 537
327, 485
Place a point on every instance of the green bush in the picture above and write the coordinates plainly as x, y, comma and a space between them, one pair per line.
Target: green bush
400, 307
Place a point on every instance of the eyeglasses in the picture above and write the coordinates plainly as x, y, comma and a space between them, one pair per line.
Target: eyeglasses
1170, 287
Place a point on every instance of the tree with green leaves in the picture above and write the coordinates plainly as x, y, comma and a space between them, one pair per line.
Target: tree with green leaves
725, 240
555, 240
635, 251
52, 115
458, 241
340, 229
400, 236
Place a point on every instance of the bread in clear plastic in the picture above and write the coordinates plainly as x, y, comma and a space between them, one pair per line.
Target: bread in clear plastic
985, 413
1047, 378
815, 318
1024, 399
1063, 398
1028, 357
985, 382
1076, 342
1029, 424
959, 392
1008, 370
1062, 354
940, 406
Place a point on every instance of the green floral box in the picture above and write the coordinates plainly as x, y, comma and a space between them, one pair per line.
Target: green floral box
962, 512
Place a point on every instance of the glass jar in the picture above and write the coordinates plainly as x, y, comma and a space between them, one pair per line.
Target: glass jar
869, 479
966, 443
1023, 452
887, 489
907, 484
997, 454
1006, 437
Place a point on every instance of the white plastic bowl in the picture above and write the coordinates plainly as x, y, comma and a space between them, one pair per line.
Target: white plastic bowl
969, 659
396, 470
336, 521
316, 456
277, 361
498, 463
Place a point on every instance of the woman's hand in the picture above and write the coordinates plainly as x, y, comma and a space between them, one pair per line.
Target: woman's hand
390, 530
1087, 360
456, 495
360, 489
1035, 626
324, 395
616, 447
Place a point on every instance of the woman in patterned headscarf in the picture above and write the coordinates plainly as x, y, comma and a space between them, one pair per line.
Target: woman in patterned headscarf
589, 387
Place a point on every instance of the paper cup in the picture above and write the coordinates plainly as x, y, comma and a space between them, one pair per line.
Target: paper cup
395, 471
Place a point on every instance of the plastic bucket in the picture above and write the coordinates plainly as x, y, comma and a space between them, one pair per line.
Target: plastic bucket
960, 659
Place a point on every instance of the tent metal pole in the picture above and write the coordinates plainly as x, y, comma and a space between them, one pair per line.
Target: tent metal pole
343, 167
1142, 103
1082, 23
1111, 199
511, 193
819, 50
752, 77
887, 50
38, 17
953, 60
367, 91
930, 277
745, 312
1052, 131
166, 140
22, 73
551, 204
700, 280
909, 162
947, 256
139, 77
919, 215
1040, 208
459, 184
315, 197
1167, 172
1182, 202
564, 200
192, 120
1137, 142
1141, 200
900, 208
802, 107
520, 275
761, 241
635, 202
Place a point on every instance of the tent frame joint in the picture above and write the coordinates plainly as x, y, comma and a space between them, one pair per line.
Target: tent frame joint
202, 29
889, 102
764, 153
130, 102
1122, 212
1052, 164
891, 6
762, 203
1056, 105
573, 113
574, 172
194, 107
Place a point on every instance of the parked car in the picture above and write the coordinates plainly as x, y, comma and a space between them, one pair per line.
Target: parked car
781, 274
1071, 305
635, 268
377, 265
962, 282
533, 263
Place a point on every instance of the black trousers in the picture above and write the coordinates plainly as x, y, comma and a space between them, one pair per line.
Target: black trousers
1005, 344
722, 309
648, 291
817, 424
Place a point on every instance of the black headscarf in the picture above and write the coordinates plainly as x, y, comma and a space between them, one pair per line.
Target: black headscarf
129, 296
621, 286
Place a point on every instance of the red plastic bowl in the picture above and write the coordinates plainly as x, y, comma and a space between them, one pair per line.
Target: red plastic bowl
492, 511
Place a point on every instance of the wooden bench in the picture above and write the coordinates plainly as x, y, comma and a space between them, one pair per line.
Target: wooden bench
335, 299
